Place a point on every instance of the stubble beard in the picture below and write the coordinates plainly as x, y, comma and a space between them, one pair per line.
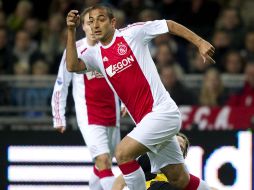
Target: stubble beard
107, 37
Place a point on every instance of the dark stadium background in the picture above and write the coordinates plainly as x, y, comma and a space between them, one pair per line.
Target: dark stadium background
210, 125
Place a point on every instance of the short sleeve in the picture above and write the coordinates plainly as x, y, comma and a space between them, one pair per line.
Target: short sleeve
154, 28
89, 59
146, 31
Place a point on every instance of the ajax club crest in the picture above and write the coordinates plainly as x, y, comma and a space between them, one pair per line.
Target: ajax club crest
122, 49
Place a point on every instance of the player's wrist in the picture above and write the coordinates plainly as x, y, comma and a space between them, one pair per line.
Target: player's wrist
71, 29
199, 42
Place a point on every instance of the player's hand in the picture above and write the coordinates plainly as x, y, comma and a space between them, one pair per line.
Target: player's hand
60, 129
206, 50
73, 19
123, 111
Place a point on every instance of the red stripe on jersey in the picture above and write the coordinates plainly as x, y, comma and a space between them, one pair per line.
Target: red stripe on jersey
127, 78
100, 100
56, 108
83, 51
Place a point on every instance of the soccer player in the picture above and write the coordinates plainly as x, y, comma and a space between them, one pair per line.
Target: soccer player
123, 57
156, 181
97, 111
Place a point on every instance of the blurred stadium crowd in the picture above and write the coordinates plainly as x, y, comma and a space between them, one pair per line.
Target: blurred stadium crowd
33, 37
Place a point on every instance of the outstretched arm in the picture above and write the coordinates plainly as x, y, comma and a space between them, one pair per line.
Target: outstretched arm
205, 48
72, 62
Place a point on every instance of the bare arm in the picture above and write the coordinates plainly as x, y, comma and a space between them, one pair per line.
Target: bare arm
72, 62
205, 48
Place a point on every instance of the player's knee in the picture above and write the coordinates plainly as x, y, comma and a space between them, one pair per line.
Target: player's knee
122, 155
103, 161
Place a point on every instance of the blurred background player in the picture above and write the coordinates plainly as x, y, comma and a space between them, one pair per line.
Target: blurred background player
124, 59
97, 112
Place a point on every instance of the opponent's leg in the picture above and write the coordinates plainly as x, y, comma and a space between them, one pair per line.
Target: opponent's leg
175, 170
180, 178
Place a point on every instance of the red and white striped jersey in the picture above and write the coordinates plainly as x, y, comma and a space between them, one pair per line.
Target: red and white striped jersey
127, 65
95, 102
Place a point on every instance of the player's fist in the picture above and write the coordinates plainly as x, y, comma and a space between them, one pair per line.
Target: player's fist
73, 19
206, 50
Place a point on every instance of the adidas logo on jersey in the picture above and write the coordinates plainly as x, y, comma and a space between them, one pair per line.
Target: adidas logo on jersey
105, 59
120, 66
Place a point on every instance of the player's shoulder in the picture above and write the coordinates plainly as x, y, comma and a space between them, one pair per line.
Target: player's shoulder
132, 26
81, 44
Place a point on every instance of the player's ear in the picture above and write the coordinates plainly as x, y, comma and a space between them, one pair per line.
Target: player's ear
113, 22
83, 27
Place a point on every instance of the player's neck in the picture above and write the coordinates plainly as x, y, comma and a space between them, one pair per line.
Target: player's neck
90, 42
108, 38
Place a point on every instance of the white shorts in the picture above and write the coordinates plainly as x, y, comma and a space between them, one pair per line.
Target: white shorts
100, 139
157, 132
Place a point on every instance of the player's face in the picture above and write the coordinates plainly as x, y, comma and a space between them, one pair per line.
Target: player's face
87, 29
101, 25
